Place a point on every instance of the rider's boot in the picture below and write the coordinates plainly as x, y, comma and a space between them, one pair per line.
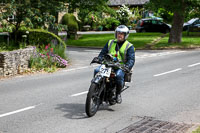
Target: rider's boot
118, 94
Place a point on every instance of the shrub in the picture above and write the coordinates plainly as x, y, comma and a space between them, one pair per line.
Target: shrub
124, 15
40, 37
47, 59
110, 23
65, 19
70, 21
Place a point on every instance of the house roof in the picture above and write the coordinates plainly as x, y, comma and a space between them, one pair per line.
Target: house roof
126, 2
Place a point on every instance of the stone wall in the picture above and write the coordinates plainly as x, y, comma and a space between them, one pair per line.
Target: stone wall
15, 62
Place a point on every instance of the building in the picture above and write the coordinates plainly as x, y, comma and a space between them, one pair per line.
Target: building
131, 3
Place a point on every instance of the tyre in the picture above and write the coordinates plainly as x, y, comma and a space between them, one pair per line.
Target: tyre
92, 100
112, 97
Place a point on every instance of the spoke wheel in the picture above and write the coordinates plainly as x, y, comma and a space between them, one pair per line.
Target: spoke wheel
92, 101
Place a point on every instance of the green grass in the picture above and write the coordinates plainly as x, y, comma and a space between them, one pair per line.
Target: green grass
7, 47
197, 130
139, 40
191, 41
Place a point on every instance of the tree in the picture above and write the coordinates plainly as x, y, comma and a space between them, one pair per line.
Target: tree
32, 13
92, 5
85, 7
180, 9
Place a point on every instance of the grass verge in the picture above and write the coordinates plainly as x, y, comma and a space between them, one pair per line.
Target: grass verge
139, 40
191, 41
197, 130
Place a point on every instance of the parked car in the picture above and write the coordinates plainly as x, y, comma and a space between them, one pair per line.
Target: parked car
152, 25
191, 24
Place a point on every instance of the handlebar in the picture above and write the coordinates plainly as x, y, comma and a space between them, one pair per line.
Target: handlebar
111, 63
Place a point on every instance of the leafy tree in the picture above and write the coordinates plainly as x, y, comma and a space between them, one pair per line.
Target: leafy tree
32, 13
165, 14
85, 7
124, 15
180, 9
91, 5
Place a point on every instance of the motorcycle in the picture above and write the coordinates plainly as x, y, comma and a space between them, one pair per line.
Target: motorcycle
103, 85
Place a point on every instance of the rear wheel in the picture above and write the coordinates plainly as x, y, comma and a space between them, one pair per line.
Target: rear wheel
112, 97
92, 101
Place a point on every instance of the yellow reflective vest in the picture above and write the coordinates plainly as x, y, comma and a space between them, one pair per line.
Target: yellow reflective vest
121, 54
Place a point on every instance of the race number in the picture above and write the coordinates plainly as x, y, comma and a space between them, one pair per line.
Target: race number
105, 71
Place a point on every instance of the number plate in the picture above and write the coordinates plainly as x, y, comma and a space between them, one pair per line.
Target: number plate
105, 71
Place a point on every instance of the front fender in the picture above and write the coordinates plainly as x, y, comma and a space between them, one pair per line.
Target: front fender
97, 79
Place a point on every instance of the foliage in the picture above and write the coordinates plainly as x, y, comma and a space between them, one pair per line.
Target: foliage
65, 19
179, 10
5, 47
124, 15
39, 37
83, 5
137, 14
47, 59
110, 23
94, 19
86, 7
197, 130
173, 5
192, 13
71, 22
165, 14
109, 11
4, 27
31, 13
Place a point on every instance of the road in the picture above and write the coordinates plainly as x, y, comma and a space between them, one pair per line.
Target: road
165, 86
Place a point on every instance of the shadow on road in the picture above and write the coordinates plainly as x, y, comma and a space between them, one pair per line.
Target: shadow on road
73, 110
77, 111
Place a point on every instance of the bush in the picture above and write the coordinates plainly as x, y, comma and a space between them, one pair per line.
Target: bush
70, 21
6, 28
40, 37
124, 15
47, 58
65, 19
110, 23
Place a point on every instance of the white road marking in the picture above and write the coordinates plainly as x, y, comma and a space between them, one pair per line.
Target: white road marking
194, 64
137, 57
95, 51
18, 111
168, 72
73, 69
78, 94
79, 68
158, 54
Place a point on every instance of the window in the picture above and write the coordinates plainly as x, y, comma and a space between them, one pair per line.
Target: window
154, 22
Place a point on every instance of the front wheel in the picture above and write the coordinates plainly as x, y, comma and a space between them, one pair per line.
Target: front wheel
92, 101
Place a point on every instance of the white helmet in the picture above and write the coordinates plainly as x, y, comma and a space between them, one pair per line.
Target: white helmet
122, 29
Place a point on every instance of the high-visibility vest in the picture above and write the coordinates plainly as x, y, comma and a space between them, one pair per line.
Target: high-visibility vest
121, 54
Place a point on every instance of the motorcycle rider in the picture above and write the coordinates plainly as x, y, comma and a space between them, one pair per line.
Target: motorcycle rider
124, 52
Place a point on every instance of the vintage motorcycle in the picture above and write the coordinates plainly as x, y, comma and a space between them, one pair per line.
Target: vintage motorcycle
103, 85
